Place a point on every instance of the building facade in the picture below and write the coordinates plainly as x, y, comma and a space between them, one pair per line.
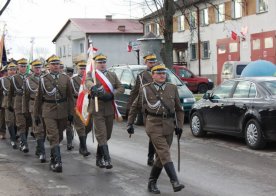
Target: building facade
109, 36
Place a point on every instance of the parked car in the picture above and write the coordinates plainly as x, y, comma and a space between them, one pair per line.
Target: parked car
232, 69
127, 75
243, 107
195, 83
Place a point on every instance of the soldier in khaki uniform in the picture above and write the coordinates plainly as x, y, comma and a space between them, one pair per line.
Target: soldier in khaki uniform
143, 78
23, 121
54, 101
103, 119
3, 73
30, 90
9, 115
160, 102
78, 124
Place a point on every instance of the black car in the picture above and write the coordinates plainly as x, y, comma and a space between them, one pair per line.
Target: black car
127, 75
244, 107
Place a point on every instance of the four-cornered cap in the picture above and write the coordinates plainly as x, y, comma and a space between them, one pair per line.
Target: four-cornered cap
100, 58
150, 58
53, 59
22, 61
11, 65
36, 63
81, 64
161, 68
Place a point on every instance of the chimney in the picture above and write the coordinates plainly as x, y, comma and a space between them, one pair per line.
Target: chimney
121, 27
108, 17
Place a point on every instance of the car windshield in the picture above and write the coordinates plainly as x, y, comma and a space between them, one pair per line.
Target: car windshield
136, 72
173, 79
270, 86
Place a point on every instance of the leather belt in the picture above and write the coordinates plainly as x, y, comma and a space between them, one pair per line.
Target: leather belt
164, 115
55, 101
32, 99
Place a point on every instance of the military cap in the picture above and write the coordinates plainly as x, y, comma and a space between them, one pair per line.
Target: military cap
61, 64
150, 58
160, 68
36, 63
53, 59
69, 70
22, 61
100, 58
81, 63
11, 65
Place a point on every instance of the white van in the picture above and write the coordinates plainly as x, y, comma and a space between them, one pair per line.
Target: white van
232, 69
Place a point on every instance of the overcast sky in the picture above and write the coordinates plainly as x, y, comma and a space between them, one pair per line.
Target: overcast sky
42, 20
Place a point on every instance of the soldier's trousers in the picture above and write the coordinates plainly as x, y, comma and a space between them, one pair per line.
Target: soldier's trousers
79, 125
103, 128
2, 121
21, 123
39, 131
162, 144
54, 130
9, 118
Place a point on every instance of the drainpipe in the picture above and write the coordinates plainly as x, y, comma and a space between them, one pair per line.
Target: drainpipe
198, 40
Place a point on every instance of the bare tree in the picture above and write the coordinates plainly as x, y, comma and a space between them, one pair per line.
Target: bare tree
4, 7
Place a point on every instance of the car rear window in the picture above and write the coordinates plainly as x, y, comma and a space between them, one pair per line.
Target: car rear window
240, 69
270, 86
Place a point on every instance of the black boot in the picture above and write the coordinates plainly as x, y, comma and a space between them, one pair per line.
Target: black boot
83, 147
42, 155
99, 158
58, 164
69, 137
154, 175
107, 158
23, 143
12, 137
169, 167
151, 152
52, 160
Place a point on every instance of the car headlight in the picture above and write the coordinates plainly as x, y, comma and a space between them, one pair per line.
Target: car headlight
189, 100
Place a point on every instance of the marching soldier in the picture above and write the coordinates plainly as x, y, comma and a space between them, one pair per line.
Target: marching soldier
3, 73
54, 101
23, 121
103, 119
30, 90
143, 78
9, 115
79, 125
160, 102
69, 127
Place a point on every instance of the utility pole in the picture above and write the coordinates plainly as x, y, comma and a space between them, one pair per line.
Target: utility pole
32, 50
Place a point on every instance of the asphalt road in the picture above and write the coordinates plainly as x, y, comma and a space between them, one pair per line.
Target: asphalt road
215, 165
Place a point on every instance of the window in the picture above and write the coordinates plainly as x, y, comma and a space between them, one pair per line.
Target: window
193, 52
127, 78
193, 19
205, 50
81, 48
184, 73
118, 72
220, 13
243, 90
268, 42
147, 28
237, 8
60, 52
221, 49
204, 17
156, 29
262, 6
256, 44
69, 50
64, 51
181, 21
224, 90
233, 47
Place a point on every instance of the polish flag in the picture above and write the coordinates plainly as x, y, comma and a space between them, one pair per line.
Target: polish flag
129, 47
234, 35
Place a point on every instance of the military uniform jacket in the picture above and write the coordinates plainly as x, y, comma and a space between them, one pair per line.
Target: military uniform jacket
105, 108
142, 78
30, 90
5, 88
54, 98
16, 91
76, 83
158, 118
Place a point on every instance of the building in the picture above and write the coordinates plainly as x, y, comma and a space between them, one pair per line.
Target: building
109, 36
210, 33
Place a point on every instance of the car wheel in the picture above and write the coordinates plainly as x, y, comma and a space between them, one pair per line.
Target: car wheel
196, 125
139, 119
253, 135
202, 88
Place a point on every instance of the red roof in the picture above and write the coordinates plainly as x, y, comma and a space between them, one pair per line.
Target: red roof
101, 25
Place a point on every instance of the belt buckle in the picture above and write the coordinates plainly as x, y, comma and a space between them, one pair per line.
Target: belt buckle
164, 115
